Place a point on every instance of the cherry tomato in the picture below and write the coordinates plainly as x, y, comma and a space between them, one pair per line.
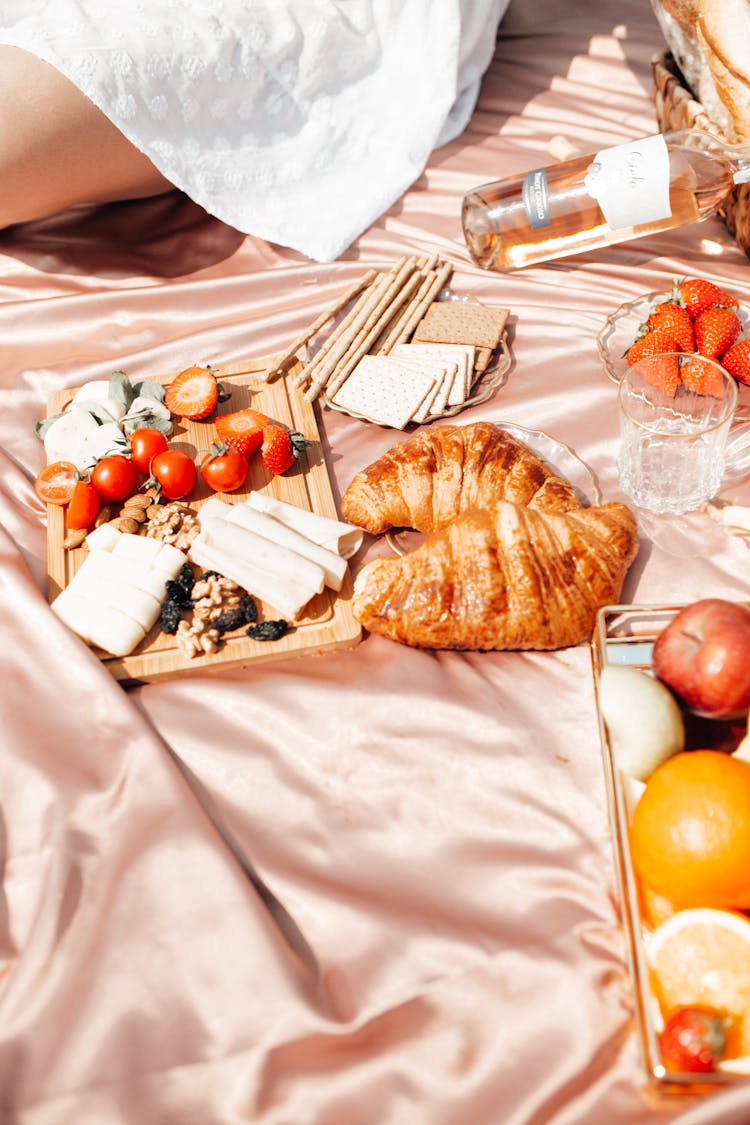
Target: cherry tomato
56, 482
225, 469
115, 477
175, 473
83, 507
144, 445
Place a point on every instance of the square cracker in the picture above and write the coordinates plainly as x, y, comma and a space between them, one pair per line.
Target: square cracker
439, 373
454, 322
460, 354
384, 391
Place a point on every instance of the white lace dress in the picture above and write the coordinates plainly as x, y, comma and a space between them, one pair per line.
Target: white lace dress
299, 121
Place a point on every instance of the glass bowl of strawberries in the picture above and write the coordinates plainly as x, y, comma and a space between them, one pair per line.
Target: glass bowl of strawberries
697, 318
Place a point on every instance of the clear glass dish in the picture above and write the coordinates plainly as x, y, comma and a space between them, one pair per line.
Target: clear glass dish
491, 379
621, 328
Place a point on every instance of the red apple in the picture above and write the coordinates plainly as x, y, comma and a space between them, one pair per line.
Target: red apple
703, 655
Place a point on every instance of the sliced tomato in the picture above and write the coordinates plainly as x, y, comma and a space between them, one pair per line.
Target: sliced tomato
83, 507
55, 483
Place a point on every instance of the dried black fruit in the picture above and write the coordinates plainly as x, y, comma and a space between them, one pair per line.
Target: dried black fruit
229, 619
185, 576
249, 608
178, 593
169, 615
268, 630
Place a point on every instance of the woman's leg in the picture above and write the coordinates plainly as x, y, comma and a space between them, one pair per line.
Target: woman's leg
57, 149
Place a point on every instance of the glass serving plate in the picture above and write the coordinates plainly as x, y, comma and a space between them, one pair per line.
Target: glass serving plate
491, 379
625, 635
559, 456
621, 328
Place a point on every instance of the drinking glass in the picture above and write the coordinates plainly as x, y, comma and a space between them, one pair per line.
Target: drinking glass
673, 438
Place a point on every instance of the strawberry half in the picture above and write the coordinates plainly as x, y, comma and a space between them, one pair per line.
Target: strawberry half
675, 320
242, 430
193, 393
737, 361
662, 371
716, 330
697, 294
700, 376
281, 448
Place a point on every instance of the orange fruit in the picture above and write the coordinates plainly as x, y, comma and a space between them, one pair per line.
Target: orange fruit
703, 957
690, 832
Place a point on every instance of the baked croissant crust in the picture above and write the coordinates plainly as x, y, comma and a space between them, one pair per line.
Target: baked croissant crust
427, 480
506, 577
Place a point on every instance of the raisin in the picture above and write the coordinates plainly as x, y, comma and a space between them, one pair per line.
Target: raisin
178, 594
185, 577
249, 608
268, 630
169, 615
228, 620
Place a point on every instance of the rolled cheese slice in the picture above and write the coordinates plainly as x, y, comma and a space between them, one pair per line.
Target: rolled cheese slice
287, 597
335, 535
333, 566
231, 541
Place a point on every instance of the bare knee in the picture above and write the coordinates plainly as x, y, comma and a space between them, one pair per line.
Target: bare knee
57, 149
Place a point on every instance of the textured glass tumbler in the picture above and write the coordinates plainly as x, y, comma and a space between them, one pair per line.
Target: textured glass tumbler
675, 413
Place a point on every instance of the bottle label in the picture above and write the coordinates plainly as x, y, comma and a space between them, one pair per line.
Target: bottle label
536, 198
630, 182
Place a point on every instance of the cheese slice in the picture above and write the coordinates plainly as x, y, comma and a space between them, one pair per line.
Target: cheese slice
343, 538
102, 625
231, 541
333, 566
286, 596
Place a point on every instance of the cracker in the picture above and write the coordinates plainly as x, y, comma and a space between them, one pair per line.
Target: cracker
437, 371
460, 354
384, 390
454, 322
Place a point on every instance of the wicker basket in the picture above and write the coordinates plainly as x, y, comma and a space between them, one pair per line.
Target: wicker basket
676, 108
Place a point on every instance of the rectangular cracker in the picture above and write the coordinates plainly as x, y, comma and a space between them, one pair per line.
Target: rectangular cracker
384, 390
462, 322
460, 354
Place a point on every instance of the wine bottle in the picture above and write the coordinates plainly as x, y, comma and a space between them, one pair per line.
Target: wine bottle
620, 193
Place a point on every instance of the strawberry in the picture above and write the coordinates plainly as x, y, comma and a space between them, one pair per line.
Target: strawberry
698, 375
674, 319
693, 1040
193, 393
716, 330
242, 430
661, 372
697, 294
737, 360
280, 448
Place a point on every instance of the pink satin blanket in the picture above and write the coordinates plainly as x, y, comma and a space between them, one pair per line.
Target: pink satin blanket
366, 888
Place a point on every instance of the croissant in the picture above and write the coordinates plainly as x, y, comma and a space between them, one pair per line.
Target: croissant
427, 480
507, 577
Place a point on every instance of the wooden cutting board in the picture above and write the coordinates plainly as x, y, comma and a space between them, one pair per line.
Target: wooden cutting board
327, 622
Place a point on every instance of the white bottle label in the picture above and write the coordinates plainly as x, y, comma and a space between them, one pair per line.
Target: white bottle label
630, 182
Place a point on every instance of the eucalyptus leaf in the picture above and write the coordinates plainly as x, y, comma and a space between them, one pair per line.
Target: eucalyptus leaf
98, 409
120, 388
145, 419
149, 389
41, 427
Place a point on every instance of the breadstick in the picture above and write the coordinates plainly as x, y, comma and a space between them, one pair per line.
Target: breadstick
366, 338
287, 356
386, 301
417, 308
345, 331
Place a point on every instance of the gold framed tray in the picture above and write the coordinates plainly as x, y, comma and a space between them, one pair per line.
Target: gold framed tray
327, 622
624, 635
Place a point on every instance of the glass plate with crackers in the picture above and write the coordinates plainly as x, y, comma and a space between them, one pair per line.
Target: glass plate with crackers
457, 357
